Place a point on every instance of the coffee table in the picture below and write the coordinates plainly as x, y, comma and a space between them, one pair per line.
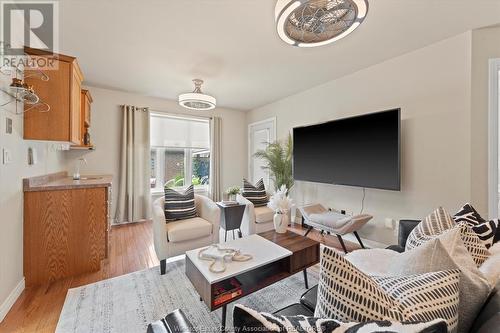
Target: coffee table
275, 257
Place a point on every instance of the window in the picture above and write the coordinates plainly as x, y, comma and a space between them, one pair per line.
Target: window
180, 152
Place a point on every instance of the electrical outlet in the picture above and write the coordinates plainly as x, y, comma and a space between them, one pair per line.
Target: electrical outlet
7, 156
389, 223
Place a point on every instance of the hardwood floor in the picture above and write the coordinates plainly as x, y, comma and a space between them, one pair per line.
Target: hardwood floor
131, 249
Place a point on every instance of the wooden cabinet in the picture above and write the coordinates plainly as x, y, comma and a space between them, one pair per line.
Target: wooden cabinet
65, 233
85, 107
62, 92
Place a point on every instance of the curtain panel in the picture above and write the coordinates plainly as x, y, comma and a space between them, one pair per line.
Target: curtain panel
215, 158
134, 197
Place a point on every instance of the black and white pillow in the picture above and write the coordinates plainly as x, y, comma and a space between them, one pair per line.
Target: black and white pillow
347, 294
486, 230
179, 206
256, 194
249, 320
440, 221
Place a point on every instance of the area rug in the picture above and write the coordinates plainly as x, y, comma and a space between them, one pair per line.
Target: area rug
130, 302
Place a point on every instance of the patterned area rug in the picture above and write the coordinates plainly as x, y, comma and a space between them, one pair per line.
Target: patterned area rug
130, 302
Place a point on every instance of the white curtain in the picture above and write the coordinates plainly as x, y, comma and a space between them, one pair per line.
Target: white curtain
215, 158
134, 183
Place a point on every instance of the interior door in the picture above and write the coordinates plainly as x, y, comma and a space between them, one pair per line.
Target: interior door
259, 135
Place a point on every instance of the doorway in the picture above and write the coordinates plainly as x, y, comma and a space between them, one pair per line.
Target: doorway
493, 139
259, 134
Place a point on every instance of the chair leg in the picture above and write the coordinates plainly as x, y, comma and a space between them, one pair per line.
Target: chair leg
308, 231
359, 239
342, 243
322, 232
163, 266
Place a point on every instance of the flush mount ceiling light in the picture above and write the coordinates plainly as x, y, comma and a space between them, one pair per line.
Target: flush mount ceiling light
197, 100
310, 23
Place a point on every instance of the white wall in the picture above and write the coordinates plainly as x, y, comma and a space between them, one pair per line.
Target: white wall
432, 87
11, 196
105, 133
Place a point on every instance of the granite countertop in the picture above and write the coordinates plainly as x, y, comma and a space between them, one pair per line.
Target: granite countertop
61, 181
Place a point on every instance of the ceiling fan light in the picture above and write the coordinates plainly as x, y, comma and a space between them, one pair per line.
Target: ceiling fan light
311, 23
197, 100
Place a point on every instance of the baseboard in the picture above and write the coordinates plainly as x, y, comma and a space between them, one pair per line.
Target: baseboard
11, 299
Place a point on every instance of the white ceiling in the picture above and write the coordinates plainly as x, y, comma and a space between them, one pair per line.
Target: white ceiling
156, 47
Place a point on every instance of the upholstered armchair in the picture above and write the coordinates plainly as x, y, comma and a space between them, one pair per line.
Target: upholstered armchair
255, 219
175, 238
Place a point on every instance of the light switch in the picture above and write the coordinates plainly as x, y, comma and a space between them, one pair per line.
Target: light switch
7, 156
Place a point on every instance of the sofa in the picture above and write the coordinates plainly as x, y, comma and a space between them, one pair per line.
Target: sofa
488, 320
255, 219
175, 238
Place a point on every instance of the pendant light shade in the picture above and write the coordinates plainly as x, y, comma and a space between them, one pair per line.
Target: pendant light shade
197, 100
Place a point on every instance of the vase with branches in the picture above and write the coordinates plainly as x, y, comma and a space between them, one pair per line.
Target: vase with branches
278, 161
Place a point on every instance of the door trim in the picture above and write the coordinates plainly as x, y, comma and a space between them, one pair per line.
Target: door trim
493, 129
272, 121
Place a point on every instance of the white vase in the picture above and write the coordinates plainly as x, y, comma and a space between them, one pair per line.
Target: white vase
293, 213
280, 223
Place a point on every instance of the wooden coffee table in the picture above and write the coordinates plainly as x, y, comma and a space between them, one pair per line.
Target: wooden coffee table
275, 257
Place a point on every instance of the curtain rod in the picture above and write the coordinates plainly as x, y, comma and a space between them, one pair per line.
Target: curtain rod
174, 114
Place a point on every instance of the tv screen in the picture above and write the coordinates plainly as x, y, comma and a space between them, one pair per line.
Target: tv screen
359, 151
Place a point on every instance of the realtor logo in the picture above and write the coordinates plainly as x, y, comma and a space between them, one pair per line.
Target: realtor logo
28, 23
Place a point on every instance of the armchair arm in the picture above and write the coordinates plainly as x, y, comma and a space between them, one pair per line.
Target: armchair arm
159, 229
208, 210
248, 221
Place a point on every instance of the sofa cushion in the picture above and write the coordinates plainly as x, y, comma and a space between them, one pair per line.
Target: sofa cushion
179, 206
193, 228
263, 214
255, 194
347, 294
249, 320
486, 230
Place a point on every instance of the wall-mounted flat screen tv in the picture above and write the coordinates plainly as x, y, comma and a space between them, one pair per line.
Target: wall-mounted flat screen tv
359, 151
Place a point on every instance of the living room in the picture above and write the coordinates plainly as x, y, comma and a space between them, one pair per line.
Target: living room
152, 93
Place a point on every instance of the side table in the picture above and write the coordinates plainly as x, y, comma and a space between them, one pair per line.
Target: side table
230, 217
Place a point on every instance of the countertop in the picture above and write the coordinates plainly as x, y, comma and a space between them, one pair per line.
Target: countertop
61, 181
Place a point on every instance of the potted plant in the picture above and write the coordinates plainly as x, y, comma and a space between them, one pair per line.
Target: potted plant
232, 192
280, 203
278, 161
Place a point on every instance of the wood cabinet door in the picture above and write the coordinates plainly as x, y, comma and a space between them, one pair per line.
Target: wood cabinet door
75, 107
52, 125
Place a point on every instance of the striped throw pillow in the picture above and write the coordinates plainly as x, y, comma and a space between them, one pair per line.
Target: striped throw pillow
179, 206
440, 221
486, 230
347, 294
256, 194
249, 320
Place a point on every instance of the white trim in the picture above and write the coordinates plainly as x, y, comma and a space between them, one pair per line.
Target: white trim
493, 128
271, 120
11, 299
